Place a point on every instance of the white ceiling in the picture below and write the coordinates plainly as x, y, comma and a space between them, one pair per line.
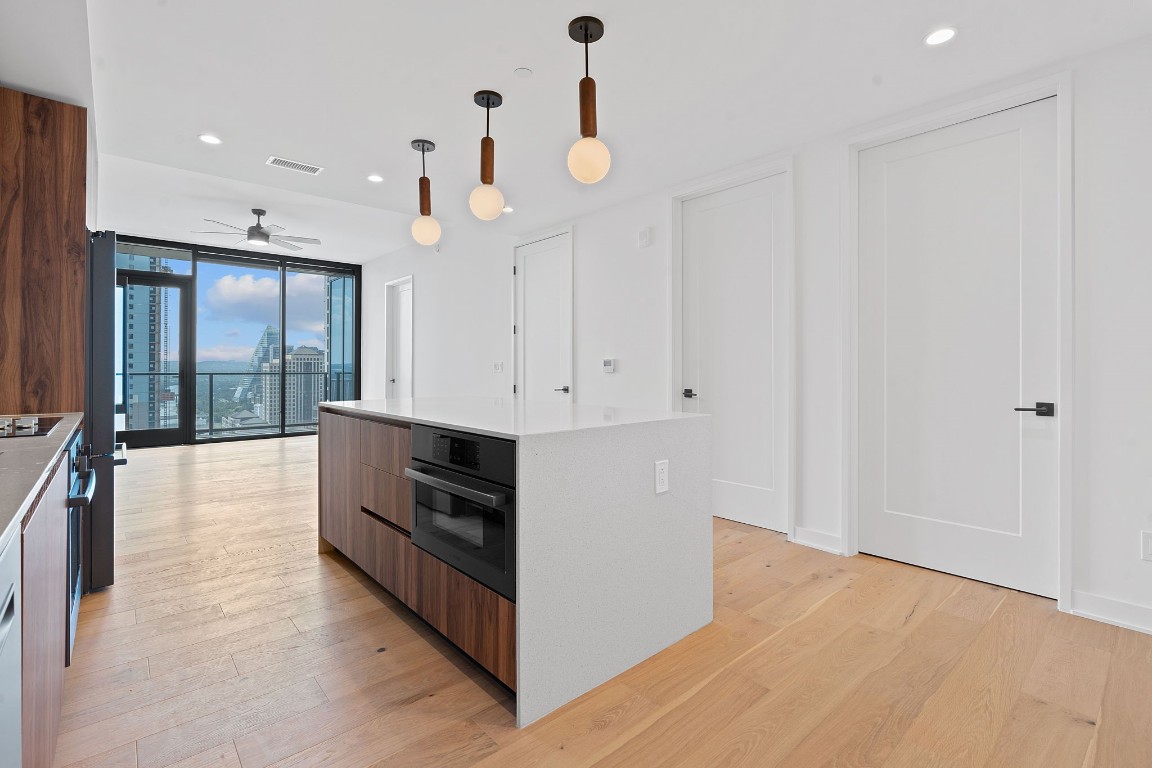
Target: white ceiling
685, 88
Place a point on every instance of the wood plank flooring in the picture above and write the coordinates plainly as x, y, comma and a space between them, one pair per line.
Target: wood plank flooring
228, 642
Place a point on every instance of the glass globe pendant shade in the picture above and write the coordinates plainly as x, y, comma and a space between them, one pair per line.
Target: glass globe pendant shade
426, 230
486, 202
589, 160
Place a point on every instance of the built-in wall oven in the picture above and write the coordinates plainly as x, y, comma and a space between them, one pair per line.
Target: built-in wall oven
464, 503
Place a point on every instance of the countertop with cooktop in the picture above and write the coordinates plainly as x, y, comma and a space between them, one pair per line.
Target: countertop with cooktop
25, 465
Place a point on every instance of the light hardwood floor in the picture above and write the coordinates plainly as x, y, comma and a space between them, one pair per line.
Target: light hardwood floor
227, 641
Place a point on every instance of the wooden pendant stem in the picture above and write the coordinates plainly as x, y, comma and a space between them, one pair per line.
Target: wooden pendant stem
487, 159
425, 196
587, 107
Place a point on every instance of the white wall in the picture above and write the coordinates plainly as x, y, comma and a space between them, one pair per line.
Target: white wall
461, 310
621, 305
1113, 484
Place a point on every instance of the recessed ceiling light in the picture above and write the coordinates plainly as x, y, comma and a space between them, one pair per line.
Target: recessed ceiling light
507, 209
522, 72
208, 138
940, 36
375, 178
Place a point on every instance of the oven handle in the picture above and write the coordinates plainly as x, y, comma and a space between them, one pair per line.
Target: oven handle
480, 497
84, 499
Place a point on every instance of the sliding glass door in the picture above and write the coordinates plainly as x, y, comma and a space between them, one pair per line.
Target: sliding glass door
153, 333
215, 344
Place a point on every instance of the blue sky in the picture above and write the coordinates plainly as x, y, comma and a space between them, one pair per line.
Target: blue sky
234, 304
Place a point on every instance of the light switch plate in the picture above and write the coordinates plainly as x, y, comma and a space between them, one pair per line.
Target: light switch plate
662, 476
497, 367
1146, 545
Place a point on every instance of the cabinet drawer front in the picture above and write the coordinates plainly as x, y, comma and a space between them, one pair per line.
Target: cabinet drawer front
385, 446
479, 621
387, 495
383, 553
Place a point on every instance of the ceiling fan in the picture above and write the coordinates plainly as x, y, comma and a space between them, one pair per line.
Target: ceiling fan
261, 235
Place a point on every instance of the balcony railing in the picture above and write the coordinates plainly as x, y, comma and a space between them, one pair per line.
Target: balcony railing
239, 404
231, 404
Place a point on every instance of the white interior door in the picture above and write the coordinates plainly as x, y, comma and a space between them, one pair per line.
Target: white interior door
958, 326
400, 339
736, 337
544, 319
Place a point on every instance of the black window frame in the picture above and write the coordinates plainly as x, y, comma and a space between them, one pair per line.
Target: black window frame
283, 263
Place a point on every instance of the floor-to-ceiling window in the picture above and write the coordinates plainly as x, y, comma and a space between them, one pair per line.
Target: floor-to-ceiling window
265, 340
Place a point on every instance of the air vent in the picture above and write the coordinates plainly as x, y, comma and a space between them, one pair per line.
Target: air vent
292, 165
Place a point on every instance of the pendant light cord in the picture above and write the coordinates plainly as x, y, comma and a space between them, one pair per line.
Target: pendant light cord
423, 167
488, 118
585, 53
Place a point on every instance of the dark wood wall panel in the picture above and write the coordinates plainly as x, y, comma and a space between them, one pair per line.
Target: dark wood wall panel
43, 253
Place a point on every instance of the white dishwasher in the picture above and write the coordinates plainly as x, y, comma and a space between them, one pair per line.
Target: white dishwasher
10, 659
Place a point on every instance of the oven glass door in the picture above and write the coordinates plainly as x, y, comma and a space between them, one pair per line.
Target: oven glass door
470, 533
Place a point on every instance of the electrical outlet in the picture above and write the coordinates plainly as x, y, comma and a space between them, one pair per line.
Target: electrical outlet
498, 367
1146, 545
662, 476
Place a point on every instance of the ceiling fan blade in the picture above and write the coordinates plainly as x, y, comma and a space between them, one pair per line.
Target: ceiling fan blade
205, 232
305, 240
236, 229
241, 241
271, 229
284, 244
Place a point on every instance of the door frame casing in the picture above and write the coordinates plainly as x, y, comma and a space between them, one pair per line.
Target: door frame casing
767, 168
389, 292
518, 307
1058, 86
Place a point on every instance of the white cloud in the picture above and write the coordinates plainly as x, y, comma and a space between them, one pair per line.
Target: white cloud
254, 299
225, 352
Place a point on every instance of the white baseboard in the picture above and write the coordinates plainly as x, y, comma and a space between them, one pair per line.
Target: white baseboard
810, 537
1110, 611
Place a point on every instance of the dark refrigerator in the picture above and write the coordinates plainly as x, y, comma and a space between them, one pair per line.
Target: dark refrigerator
99, 524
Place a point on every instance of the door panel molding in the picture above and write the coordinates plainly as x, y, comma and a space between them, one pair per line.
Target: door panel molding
1058, 86
678, 196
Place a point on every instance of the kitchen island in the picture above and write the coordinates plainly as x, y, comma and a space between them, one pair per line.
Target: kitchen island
604, 571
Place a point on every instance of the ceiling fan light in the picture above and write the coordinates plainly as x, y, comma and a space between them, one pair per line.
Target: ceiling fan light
426, 230
589, 160
486, 202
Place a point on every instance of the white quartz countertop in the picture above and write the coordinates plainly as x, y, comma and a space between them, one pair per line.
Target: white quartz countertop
498, 417
25, 463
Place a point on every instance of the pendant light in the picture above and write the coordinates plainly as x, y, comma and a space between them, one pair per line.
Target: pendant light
589, 159
425, 230
487, 202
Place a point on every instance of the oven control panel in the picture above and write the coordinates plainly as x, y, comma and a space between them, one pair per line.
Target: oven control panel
488, 458
457, 451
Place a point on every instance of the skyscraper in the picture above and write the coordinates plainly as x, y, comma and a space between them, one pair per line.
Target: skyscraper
303, 387
149, 347
252, 388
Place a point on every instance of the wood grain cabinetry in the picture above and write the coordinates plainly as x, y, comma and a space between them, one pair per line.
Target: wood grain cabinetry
387, 495
386, 447
366, 513
339, 479
44, 554
43, 253
481, 622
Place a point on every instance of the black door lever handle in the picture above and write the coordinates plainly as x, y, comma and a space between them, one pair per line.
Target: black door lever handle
1041, 409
